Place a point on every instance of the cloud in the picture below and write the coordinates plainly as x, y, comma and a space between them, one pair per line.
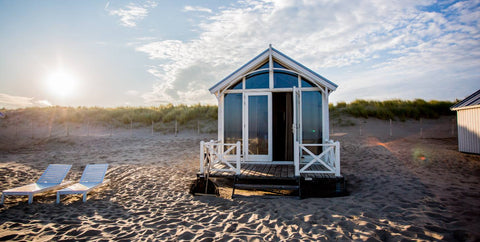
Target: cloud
370, 48
132, 93
13, 102
132, 13
196, 9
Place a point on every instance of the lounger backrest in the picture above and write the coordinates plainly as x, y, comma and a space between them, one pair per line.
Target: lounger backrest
54, 174
94, 173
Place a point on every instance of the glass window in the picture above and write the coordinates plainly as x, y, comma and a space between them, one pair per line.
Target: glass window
264, 66
312, 119
232, 118
237, 86
285, 79
257, 80
306, 83
277, 65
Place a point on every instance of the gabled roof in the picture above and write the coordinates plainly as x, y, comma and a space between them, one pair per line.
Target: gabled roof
468, 102
291, 64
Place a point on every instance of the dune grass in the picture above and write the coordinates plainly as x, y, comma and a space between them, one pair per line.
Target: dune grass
163, 117
393, 109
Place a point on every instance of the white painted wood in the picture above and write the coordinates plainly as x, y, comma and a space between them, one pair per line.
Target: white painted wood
468, 121
202, 155
274, 90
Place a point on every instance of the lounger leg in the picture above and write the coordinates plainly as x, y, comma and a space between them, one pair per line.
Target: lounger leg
58, 197
3, 197
84, 197
30, 198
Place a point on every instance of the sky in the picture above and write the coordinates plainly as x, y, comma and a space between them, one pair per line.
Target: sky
148, 53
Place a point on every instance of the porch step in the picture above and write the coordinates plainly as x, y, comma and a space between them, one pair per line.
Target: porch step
267, 186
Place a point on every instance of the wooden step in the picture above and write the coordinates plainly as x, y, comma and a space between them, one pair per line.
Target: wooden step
266, 186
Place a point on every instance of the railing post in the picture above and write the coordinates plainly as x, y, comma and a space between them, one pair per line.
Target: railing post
337, 159
202, 156
238, 158
296, 158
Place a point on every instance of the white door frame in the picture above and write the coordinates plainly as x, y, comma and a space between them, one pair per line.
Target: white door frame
248, 157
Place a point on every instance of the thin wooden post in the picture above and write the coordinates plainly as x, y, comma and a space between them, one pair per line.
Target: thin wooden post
88, 128
50, 128
390, 127
175, 128
202, 155
16, 129
67, 128
198, 126
238, 158
152, 127
337, 159
131, 127
296, 158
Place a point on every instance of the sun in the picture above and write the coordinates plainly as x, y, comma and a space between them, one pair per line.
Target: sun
61, 83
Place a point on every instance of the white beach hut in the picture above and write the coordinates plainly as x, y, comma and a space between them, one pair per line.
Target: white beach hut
468, 121
273, 123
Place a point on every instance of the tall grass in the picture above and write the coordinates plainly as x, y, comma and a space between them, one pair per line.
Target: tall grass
393, 109
122, 115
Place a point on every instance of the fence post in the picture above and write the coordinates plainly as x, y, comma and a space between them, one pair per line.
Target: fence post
198, 126
296, 158
390, 127
202, 155
175, 128
337, 159
238, 157
152, 127
66, 126
131, 127
88, 128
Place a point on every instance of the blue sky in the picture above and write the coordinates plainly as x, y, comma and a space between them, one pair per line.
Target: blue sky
144, 53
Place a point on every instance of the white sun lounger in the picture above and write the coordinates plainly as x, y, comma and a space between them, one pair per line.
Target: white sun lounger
51, 179
92, 178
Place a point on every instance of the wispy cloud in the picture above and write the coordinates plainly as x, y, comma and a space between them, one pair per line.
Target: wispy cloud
132, 13
391, 47
13, 102
196, 9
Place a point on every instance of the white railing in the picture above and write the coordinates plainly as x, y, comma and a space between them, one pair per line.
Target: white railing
214, 152
329, 159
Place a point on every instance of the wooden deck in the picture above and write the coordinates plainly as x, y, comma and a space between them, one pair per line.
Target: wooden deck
270, 171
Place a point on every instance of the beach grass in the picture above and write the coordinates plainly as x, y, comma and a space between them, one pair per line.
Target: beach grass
394, 109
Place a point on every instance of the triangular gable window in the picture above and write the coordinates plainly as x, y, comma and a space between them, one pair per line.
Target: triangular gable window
264, 66
306, 83
278, 65
239, 85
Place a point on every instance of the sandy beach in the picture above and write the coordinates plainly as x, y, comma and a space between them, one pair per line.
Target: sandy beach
404, 186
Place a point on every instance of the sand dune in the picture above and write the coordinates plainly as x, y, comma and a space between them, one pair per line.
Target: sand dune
395, 193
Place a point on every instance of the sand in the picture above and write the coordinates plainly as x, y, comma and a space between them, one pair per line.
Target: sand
403, 187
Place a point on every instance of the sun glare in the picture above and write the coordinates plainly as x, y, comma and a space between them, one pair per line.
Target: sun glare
61, 83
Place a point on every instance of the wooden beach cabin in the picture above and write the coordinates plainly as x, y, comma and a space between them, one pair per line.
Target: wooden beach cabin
273, 125
468, 121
